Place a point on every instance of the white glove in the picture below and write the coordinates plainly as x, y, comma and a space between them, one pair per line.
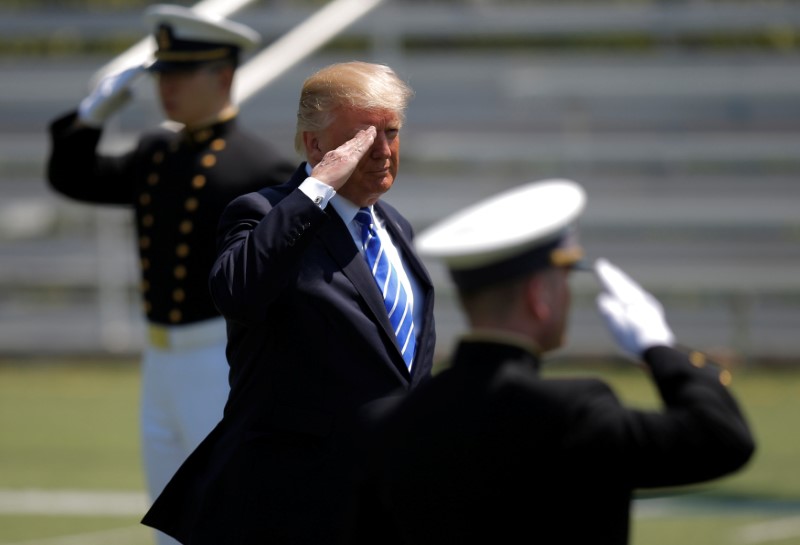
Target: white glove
108, 96
635, 318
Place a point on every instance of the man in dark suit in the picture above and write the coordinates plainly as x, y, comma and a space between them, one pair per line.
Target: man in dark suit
311, 333
177, 183
490, 452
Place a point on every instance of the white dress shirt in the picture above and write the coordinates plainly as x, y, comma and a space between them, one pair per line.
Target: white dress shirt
323, 194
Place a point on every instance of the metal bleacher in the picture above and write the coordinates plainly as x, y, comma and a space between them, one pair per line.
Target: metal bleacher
689, 151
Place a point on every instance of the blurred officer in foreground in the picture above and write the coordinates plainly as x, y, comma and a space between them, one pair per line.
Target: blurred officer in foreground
490, 452
178, 183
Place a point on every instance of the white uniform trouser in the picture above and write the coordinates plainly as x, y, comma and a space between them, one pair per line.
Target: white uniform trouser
184, 390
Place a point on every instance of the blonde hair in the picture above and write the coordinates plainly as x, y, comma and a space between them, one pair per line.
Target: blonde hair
357, 85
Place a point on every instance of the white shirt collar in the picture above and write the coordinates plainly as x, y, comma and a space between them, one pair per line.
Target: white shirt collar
346, 209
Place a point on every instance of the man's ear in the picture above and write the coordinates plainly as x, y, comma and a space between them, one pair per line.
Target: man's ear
536, 298
226, 77
311, 144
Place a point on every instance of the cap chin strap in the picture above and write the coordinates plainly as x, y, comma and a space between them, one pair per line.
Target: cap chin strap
566, 257
194, 56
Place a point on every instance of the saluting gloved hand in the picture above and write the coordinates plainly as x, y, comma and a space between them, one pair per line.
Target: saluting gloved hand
109, 95
635, 318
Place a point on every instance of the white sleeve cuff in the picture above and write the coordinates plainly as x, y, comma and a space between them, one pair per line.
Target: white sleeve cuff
317, 191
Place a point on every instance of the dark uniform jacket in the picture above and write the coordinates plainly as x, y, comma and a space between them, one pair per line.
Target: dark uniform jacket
309, 342
178, 184
490, 452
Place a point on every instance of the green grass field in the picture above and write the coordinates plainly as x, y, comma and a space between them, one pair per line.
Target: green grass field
69, 426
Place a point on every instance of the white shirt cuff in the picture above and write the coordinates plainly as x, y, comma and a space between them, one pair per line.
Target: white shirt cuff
317, 191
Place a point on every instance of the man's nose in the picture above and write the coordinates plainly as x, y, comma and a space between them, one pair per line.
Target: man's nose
381, 145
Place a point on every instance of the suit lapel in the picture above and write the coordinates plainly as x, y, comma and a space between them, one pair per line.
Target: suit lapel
339, 242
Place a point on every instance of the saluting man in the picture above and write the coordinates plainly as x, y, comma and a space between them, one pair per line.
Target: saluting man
329, 309
178, 183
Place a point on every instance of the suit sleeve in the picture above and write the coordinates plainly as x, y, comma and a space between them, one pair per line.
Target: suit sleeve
261, 248
75, 170
700, 434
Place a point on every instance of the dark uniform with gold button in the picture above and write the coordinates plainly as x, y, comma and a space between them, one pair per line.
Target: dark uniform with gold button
489, 451
178, 183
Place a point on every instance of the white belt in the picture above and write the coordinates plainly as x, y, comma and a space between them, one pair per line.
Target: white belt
183, 337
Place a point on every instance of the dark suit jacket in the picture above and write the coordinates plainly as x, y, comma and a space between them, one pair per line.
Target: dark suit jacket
489, 452
309, 342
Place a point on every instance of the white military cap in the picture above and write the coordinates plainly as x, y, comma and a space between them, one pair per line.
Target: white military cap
185, 38
511, 234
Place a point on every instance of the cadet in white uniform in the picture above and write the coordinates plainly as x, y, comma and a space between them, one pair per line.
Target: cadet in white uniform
177, 183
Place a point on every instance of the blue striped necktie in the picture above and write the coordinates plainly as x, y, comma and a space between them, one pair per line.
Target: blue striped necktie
397, 302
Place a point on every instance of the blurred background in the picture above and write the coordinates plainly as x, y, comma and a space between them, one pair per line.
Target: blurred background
680, 118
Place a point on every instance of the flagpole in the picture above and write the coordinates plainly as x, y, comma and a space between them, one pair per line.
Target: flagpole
298, 43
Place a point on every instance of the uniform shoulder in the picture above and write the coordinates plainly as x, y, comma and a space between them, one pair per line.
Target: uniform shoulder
527, 392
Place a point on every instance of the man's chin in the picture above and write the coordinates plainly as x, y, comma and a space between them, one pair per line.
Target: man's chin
379, 184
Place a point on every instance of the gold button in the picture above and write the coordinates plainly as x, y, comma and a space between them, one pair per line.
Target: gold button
191, 204
201, 136
147, 220
152, 179
186, 227
158, 157
145, 199
180, 272
208, 160
145, 286
147, 307
178, 295
697, 359
144, 242
175, 315
725, 377
218, 144
182, 250
145, 263
199, 181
